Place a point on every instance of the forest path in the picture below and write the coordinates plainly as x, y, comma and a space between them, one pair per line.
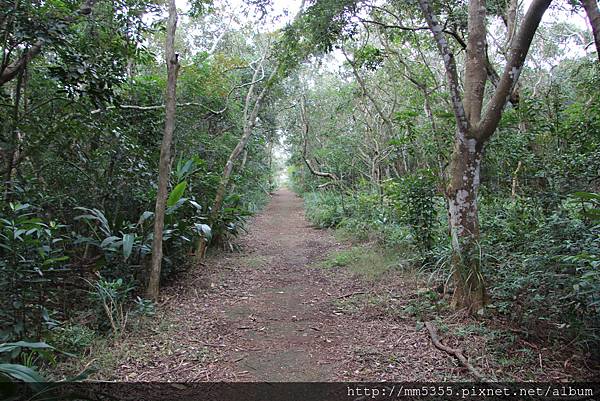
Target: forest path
270, 314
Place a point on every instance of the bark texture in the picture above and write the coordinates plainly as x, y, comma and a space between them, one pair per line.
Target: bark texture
165, 154
465, 169
474, 128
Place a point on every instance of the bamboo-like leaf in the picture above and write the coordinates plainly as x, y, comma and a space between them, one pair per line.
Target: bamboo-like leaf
21, 373
109, 241
204, 230
145, 216
7, 347
176, 194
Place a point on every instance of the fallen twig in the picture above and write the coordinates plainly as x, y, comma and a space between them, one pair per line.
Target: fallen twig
351, 294
212, 345
457, 353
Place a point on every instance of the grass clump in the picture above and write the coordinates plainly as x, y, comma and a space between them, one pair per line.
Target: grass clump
366, 262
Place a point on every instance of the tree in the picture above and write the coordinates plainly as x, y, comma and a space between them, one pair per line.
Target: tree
593, 14
252, 106
474, 128
27, 43
164, 169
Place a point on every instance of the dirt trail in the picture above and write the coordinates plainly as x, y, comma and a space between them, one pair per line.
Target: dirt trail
269, 314
280, 329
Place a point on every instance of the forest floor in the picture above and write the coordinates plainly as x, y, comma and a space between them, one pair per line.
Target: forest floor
285, 308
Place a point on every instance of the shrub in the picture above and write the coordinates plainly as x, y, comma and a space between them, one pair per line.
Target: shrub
110, 297
32, 260
72, 337
324, 209
413, 199
543, 267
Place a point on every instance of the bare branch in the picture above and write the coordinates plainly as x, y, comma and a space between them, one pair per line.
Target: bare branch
449, 63
513, 68
144, 108
305, 130
13, 69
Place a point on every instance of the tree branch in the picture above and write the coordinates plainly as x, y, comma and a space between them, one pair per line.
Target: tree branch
593, 14
475, 65
513, 68
13, 69
305, 130
449, 64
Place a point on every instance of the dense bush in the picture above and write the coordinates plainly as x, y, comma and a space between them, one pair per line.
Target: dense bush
79, 146
324, 209
33, 267
532, 256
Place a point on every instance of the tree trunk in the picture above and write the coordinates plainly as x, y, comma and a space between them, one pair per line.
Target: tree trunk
250, 116
462, 190
473, 132
222, 188
164, 169
593, 14
12, 152
305, 131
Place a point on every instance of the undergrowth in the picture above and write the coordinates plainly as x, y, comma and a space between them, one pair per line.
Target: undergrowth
541, 265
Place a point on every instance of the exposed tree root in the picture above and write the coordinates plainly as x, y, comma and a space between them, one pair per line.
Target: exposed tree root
457, 353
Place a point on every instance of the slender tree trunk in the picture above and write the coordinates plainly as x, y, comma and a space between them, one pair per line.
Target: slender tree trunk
222, 188
515, 180
270, 150
250, 116
12, 151
164, 169
305, 131
593, 14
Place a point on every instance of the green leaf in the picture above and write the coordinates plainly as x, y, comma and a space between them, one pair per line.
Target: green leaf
55, 260
176, 194
128, 240
7, 347
592, 214
21, 373
109, 241
195, 204
586, 195
145, 216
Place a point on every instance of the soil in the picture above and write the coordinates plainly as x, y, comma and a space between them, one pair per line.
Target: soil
271, 313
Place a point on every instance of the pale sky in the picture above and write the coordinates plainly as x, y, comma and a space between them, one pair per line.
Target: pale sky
285, 9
